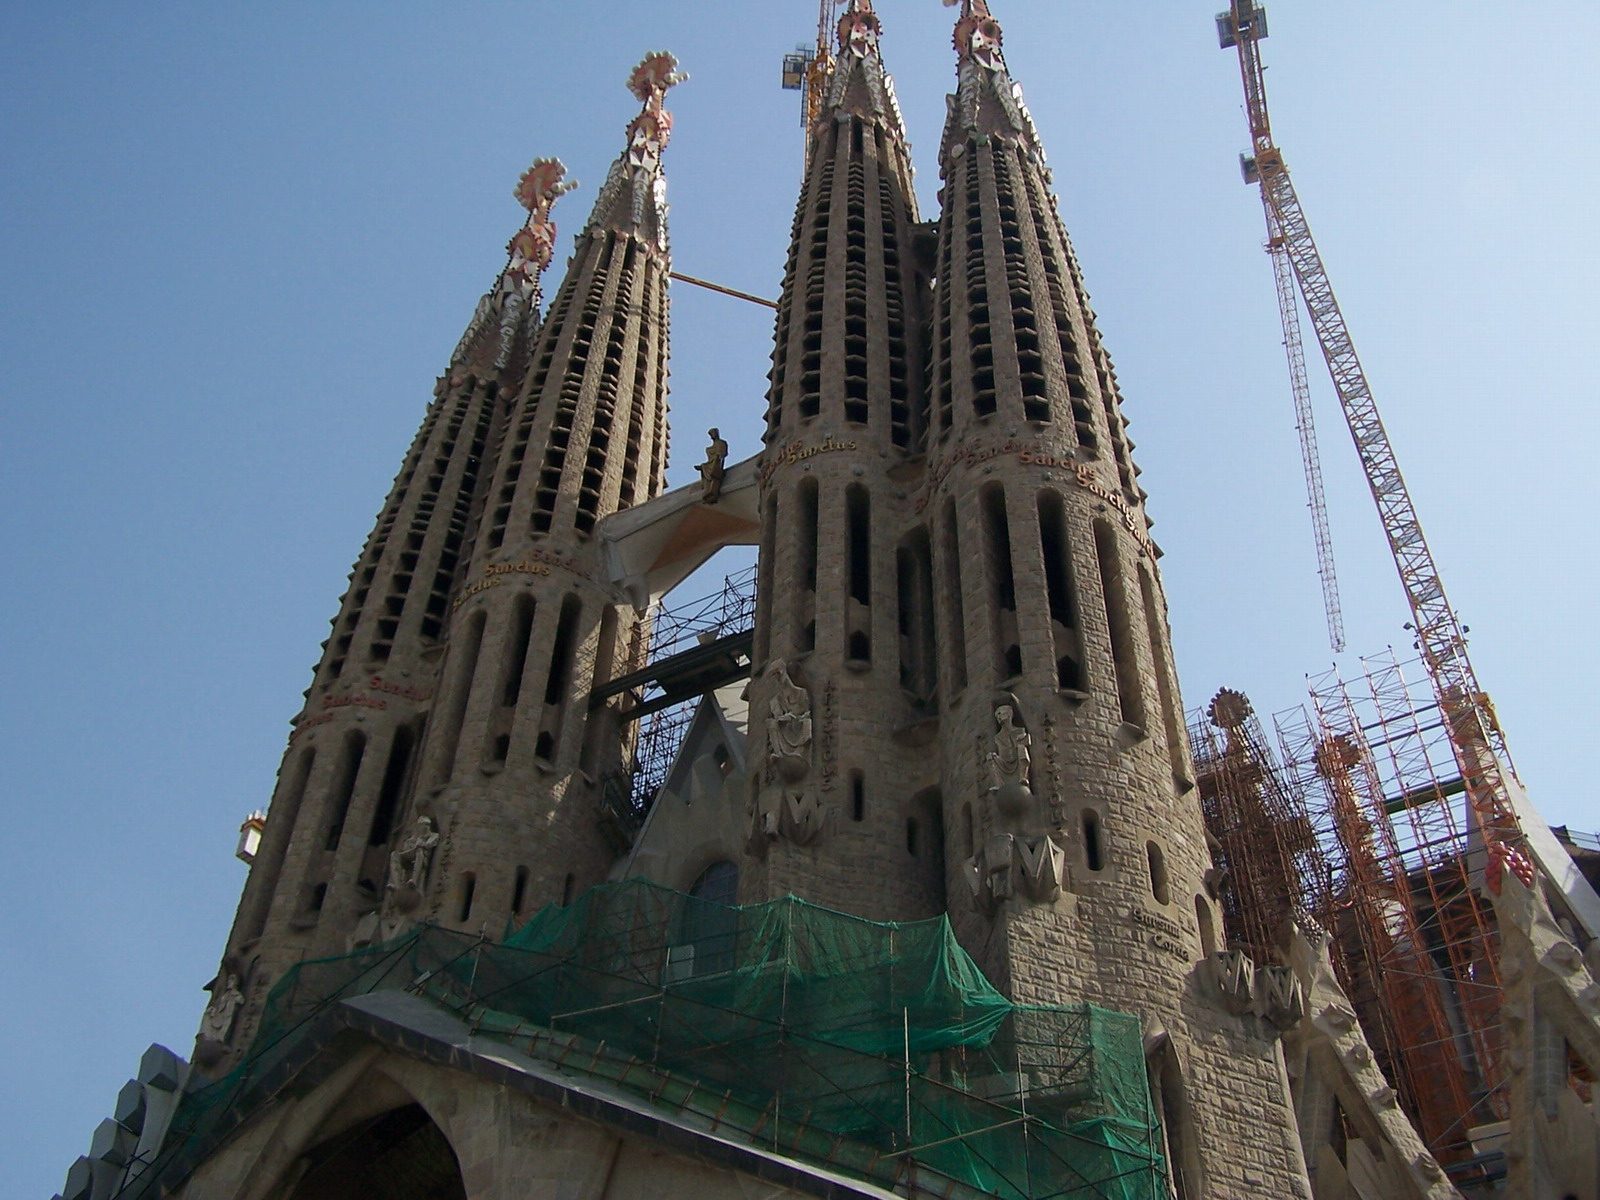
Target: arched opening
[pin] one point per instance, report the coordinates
(1158, 873)
(400, 1155)
(1093, 853)
(709, 929)
(1208, 926)
(1172, 1109)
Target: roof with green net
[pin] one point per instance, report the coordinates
(873, 1050)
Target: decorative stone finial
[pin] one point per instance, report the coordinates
(537, 191)
(978, 35)
(859, 30)
(513, 303)
(649, 132)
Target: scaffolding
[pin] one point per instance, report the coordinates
(1263, 843)
(694, 648)
(1417, 945)
(877, 1050)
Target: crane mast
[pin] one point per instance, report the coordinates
(1305, 425)
(1475, 736)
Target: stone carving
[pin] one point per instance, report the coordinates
(983, 73)
(1007, 764)
(1235, 978)
(789, 727)
(1009, 863)
(638, 171)
(217, 1023)
(1280, 998)
(1021, 855)
(409, 866)
(515, 295)
(712, 470)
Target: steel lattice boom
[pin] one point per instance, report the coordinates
(1475, 734)
(1305, 425)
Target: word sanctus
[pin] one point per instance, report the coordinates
(796, 451)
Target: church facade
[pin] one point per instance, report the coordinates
(954, 722)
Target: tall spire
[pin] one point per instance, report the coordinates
(512, 304)
(859, 84)
(987, 100)
(634, 196)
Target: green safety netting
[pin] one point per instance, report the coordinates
(877, 1049)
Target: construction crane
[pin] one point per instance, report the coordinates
(1514, 837)
(807, 69)
(1305, 424)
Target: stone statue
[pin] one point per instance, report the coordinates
(217, 1023)
(1010, 759)
(789, 726)
(408, 866)
(711, 471)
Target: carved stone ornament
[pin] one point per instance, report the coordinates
(410, 865)
(1007, 764)
(789, 727)
(713, 470)
(794, 814)
(1009, 864)
(1280, 998)
(217, 1023)
(1235, 977)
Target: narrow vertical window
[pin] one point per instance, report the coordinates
(567, 887)
(1055, 547)
(559, 681)
(516, 657)
(805, 617)
(1155, 627)
(918, 659)
(858, 608)
(463, 665)
(1208, 927)
(344, 787)
(1002, 583)
(955, 609)
(766, 563)
(1093, 852)
(519, 891)
(858, 796)
(1158, 873)
(911, 836)
(1129, 694)
(394, 778)
(469, 889)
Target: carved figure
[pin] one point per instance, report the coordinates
(1007, 764)
(789, 726)
(217, 1023)
(408, 866)
(712, 471)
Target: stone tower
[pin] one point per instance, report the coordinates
(509, 751)
(844, 690)
(428, 774)
(1077, 850)
(320, 871)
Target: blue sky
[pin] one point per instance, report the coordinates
(240, 241)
